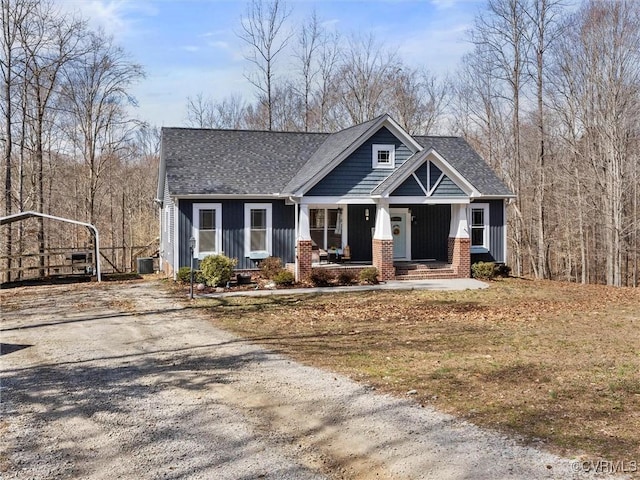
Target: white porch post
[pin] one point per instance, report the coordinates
(303, 245)
(459, 248)
(382, 244)
(459, 227)
(383, 222)
(304, 232)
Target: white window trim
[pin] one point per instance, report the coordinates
(196, 227)
(484, 248)
(392, 156)
(247, 225)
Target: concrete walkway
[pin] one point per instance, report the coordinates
(449, 284)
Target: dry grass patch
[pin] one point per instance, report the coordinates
(553, 362)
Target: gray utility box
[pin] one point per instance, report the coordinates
(145, 265)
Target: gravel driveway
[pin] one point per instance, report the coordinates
(118, 381)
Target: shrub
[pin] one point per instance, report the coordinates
(184, 275)
(270, 267)
(346, 277)
(483, 270)
(320, 277)
(502, 270)
(369, 275)
(284, 277)
(217, 269)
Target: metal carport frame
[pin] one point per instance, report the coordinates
(16, 217)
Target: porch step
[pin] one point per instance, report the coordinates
(424, 271)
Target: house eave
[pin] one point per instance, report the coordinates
(495, 197)
(223, 196)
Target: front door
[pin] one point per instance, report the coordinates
(399, 232)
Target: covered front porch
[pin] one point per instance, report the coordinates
(403, 241)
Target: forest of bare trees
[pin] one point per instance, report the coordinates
(549, 95)
(69, 147)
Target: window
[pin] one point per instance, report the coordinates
(317, 226)
(257, 227)
(384, 156)
(207, 229)
(325, 227)
(479, 227)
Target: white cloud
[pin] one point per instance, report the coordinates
(438, 50)
(219, 44)
(443, 4)
(115, 17)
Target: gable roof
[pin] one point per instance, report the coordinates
(466, 161)
(338, 146)
(393, 181)
(264, 163)
(240, 162)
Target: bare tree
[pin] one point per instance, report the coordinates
(262, 30)
(501, 32)
(12, 14)
(95, 94)
(310, 39)
(543, 16)
(230, 112)
(50, 40)
(418, 100)
(364, 77)
(200, 112)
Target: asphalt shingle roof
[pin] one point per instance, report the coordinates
(244, 162)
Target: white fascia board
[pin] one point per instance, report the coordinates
(494, 197)
(453, 174)
(385, 121)
(400, 132)
(429, 200)
(337, 201)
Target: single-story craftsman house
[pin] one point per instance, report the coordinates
(412, 206)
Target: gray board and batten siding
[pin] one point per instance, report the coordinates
(233, 221)
(429, 231)
(355, 176)
(496, 234)
(168, 233)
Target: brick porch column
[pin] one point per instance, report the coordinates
(303, 245)
(303, 250)
(382, 244)
(459, 251)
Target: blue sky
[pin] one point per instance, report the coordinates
(190, 46)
